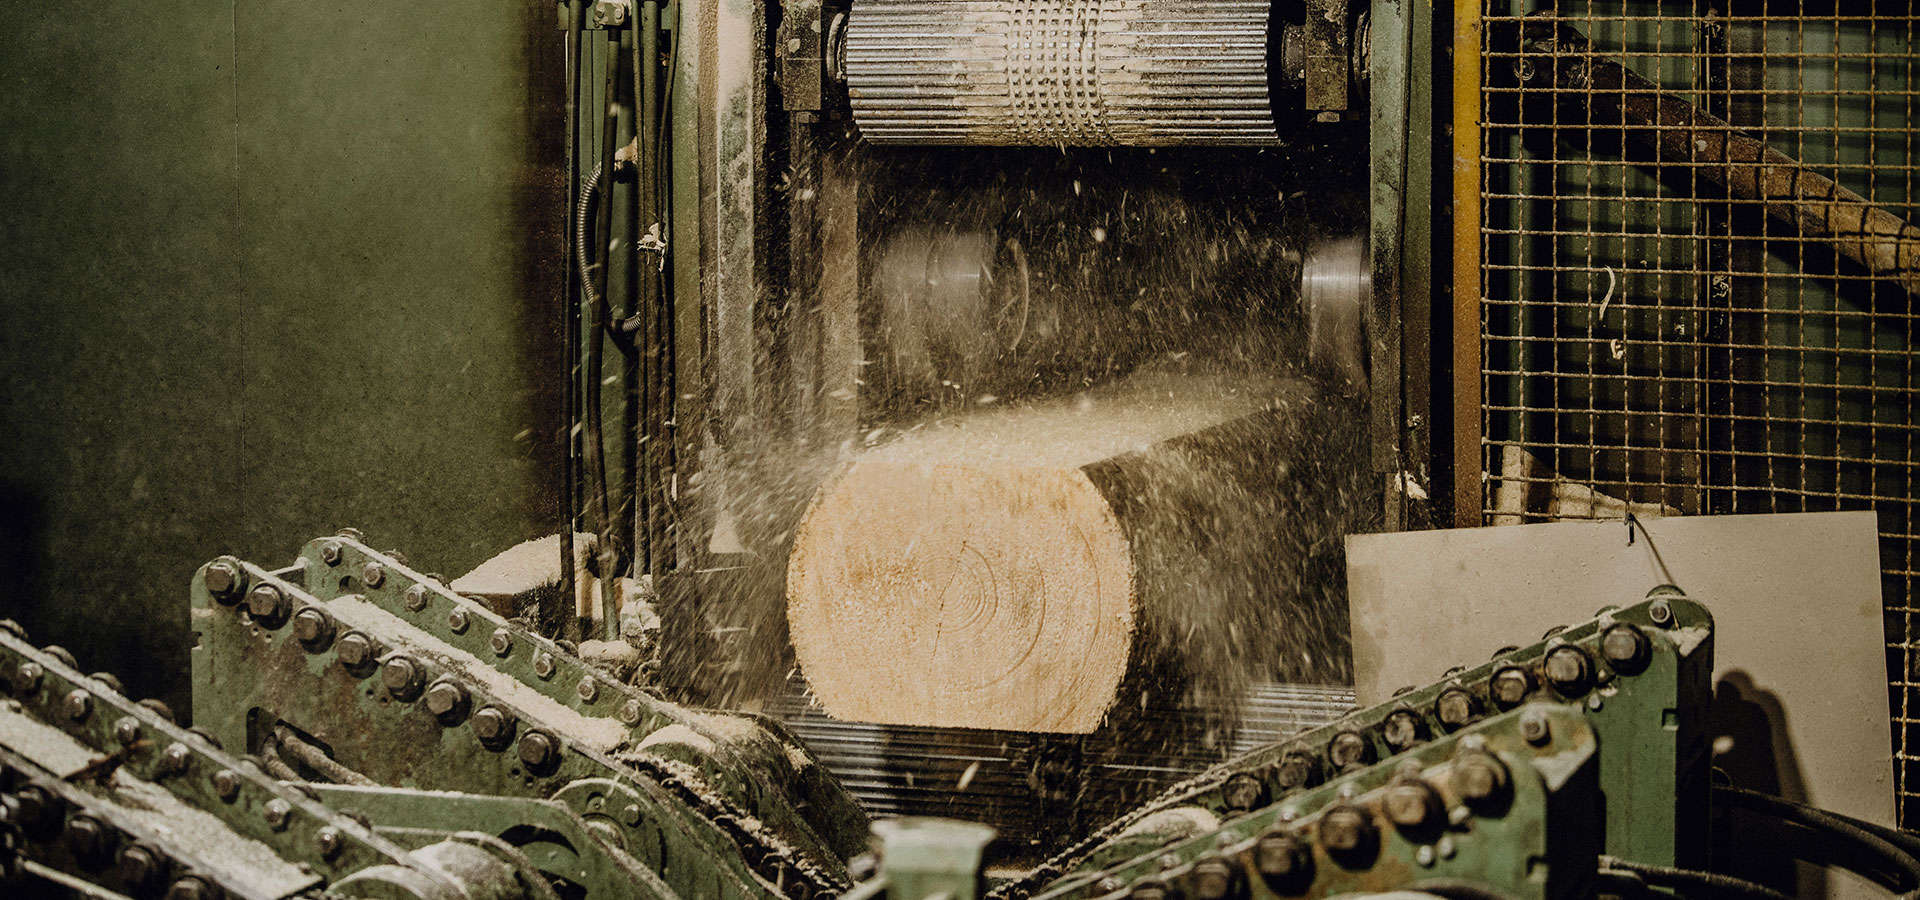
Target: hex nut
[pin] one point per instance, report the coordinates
(192, 887)
(373, 574)
(1510, 686)
(543, 664)
(1569, 670)
(77, 705)
(1243, 792)
(328, 841)
(493, 727)
(140, 867)
(175, 758)
(539, 752)
(401, 676)
(1410, 804)
(1626, 648)
(127, 730)
(226, 784)
(1295, 771)
(1479, 779)
(457, 621)
(416, 598)
(1661, 612)
(158, 708)
(62, 654)
(355, 652)
(1212, 879)
(26, 678)
(1534, 728)
(313, 628)
(223, 582)
(267, 605)
(501, 641)
(1455, 708)
(447, 700)
(588, 690)
(1346, 830)
(1349, 749)
(1279, 855)
(330, 553)
(88, 839)
(630, 713)
(1401, 729)
(277, 812)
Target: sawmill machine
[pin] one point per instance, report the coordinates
(803, 229)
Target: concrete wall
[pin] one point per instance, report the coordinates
(268, 269)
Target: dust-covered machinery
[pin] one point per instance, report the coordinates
(364, 731)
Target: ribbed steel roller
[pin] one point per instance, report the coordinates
(1142, 73)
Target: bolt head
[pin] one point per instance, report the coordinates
(416, 598)
(1533, 727)
(457, 621)
(1410, 804)
(1661, 612)
(1295, 771)
(277, 812)
(1479, 779)
(127, 730)
(26, 678)
(373, 574)
(313, 628)
(329, 842)
(538, 750)
(1401, 729)
(1243, 792)
(1345, 829)
(1626, 648)
(267, 605)
(77, 705)
(222, 580)
(226, 784)
(1454, 708)
(588, 689)
(401, 675)
(1277, 854)
(354, 649)
(543, 664)
(330, 553)
(88, 838)
(492, 725)
(159, 708)
(1347, 749)
(630, 713)
(1149, 890)
(630, 814)
(140, 867)
(446, 699)
(13, 628)
(1212, 879)
(1510, 686)
(501, 641)
(174, 759)
(1569, 670)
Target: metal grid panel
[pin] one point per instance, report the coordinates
(1666, 324)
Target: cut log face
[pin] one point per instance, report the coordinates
(988, 571)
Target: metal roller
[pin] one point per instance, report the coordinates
(1144, 73)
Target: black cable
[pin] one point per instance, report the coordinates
(1897, 854)
(1685, 879)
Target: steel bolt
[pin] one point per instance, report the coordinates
(402, 676)
(33, 809)
(447, 700)
(589, 690)
(13, 628)
(493, 726)
(226, 784)
(501, 641)
(159, 708)
(1626, 648)
(1212, 879)
(610, 13)
(330, 553)
(1278, 854)
(1149, 890)
(1533, 727)
(222, 580)
(174, 759)
(416, 598)
(110, 680)
(538, 750)
(62, 654)
(140, 868)
(267, 605)
(1243, 792)
(543, 664)
(88, 838)
(1454, 708)
(192, 888)
(1569, 670)
(1479, 778)
(373, 574)
(1661, 612)
(77, 706)
(1105, 885)
(277, 812)
(313, 628)
(1295, 771)
(1510, 686)
(1410, 804)
(457, 621)
(329, 842)
(630, 713)
(26, 679)
(630, 814)
(1345, 829)
(355, 650)
(127, 730)
(1401, 729)
(207, 736)
(1349, 749)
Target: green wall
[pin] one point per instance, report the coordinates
(268, 269)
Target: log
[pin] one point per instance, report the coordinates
(1011, 568)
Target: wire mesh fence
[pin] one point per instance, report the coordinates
(1697, 276)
